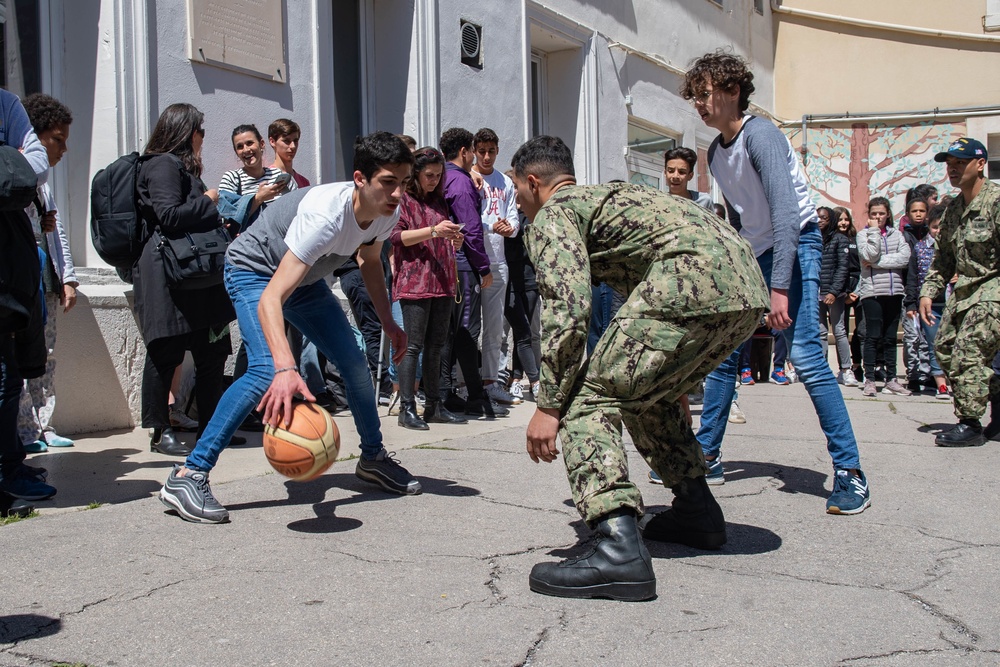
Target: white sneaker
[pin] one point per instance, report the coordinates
(846, 378)
(736, 415)
(791, 375)
(394, 405)
(181, 421)
(516, 390)
(536, 387)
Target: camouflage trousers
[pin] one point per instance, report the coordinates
(636, 374)
(965, 346)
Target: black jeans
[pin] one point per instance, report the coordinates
(163, 356)
(368, 323)
(426, 323)
(11, 383)
(520, 309)
(460, 345)
(881, 322)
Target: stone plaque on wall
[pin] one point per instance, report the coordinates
(244, 35)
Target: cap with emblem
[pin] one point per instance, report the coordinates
(964, 149)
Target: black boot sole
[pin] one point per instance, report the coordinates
(978, 441)
(630, 591)
(167, 452)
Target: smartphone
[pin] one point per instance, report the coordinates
(282, 179)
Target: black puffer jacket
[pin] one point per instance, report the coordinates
(833, 277)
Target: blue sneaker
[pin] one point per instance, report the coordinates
(24, 484)
(654, 478)
(779, 377)
(36, 447)
(850, 494)
(53, 440)
(716, 475)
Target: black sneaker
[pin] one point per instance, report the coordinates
(192, 497)
(454, 402)
(387, 473)
(484, 407)
(11, 507)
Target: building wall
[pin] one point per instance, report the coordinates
(823, 67)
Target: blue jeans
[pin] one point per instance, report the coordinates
(930, 333)
(314, 311)
(806, 353)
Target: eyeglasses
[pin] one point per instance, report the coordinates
(701, 96)
(427, 152)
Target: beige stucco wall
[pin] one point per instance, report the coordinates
(823, 67)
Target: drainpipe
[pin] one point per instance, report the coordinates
(890, 116)
(881, 25)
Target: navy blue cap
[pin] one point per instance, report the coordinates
(965, 149)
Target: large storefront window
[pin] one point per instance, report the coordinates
(21, 46)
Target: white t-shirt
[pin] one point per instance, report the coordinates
(498, 201)
(316, 224)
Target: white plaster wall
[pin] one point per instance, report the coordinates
(493, 96)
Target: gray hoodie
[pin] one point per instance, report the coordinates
(883, 261)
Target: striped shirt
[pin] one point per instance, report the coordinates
(242, 183)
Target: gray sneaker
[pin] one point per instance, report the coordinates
(893, 387)
(192, 498)
(870, 389)
(387, 473)
(498, 394)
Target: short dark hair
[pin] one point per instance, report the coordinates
(922, 191)
(453, 140)
(410, 142)
(723, 70)
(240, 129)
(45, 112)
(545, 157)
(485, 136)
(283, 127)
(936, 213)
(916, 200)
(681, 153)
(378, 149)
(720, 210)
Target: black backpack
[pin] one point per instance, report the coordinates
(116, 226)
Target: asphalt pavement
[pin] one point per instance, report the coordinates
(336, 572)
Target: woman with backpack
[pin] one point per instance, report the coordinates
(173, 200)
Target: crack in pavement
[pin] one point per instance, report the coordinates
(957, 624)
(898, 652)
(493, 583)
(494, 501)
(543, 637)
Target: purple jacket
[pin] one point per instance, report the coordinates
(464, 201)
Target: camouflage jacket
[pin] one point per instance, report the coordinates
(968, 245)
(615, 233)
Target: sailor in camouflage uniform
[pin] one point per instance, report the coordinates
(695, 292)
(969, 337)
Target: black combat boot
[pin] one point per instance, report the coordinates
(618, 567)
(408, 417)
(436, 413)
(968, 433)
(992, 430)
(166, 442)
(694, 518)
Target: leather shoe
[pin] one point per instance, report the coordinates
(968, 433)
(435, 413)
(165, 442)
(408, 417)
(11, 506)
(694, 518)
(618, 567)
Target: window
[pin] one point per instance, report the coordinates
(539, 103)
(20, 48)
(644, 154)
(993, 165)
(758, 6)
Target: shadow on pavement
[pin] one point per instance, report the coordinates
(16, 627)
(936, 429)
(742, 540)
(82, 477)
(793, 479)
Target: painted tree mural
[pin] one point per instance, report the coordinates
(847, 166)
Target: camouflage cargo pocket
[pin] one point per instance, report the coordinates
(635, 357)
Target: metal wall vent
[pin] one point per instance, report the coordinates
(472, 44)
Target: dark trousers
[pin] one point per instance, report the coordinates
(858, 337)
(426, 323)
(163, 356)
(367, 322)
(11, 383)
(461, 346)
(881, 322)
(520, 309)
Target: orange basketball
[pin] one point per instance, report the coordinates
(307, 447)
